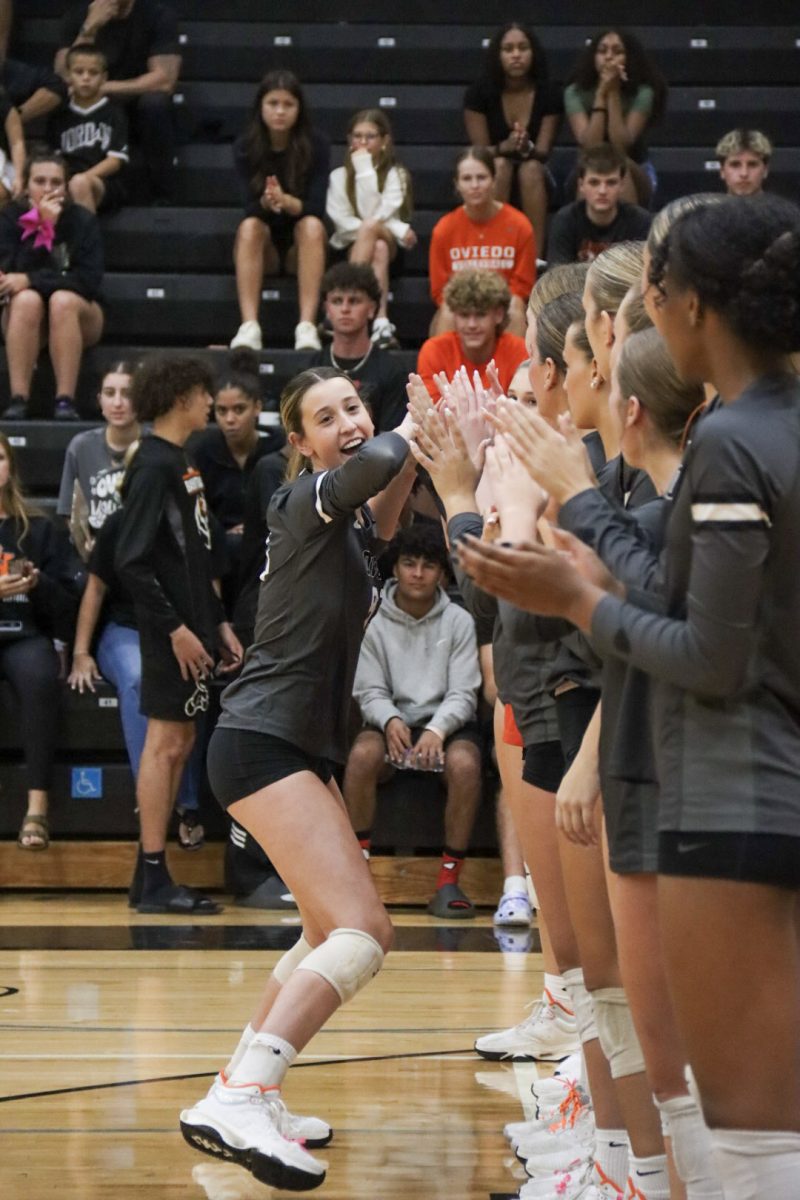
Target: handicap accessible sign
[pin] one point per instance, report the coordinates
(87, 783)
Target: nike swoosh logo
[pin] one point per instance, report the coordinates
(644, 1174)
(689, 847)
(617, 1145)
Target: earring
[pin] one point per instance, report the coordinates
(595, 383)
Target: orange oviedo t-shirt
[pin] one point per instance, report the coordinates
(444, 353)
(505, 244)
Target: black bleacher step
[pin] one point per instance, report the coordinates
(432, 113)
(238, 50)
(201, 309)
(440, 12)
(88, 723)
(40, 459)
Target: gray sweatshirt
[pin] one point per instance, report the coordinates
(424, 670)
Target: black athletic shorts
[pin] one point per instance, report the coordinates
(243, 761)
(166, 695)
(772, 858)
(543, 765)
(114, 196)
(574, 710)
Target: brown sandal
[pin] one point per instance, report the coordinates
(37, 832)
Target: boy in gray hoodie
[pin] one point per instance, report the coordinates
(416, 685)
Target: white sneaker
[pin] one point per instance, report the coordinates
(574, 1111)
(514, 909)
(311, 1131)
(571, 1160)
(547, 1035)
(574, 1130)
(574, 1184)
(306, 336)
(383, 334)
(243, 1124)
(248, 334)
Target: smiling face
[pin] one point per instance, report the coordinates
(279, 110)
(477, 332)
(335, 424)
(474, 183)
(115, 400)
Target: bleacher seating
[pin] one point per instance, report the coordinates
(169, 281)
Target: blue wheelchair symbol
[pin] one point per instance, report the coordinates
(87, 783)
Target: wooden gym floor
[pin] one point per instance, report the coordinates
(111, 1022)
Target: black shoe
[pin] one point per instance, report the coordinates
(17, 410)
(135, 890)
(65, 409)
(182, 901)
(271, 894)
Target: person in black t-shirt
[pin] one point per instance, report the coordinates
(164, 560)
(33, 90)
(582, 230)
(91, 132)
(139, 39)
(51, 268)
(283, 165)
(515, 110)
(351, 295)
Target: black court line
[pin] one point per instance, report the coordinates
(104, 1087)
(8, 991)
(464, 937)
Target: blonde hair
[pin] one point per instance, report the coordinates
(636, 315)
(646, 371)
(566, 277)
(477, 291)
(667, 216)
(292, 398)
(613, 272)
(739, 140)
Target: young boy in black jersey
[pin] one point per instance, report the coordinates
(91, 132)
(164, 560)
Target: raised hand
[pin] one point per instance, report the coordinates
(468, 401)
(556, 460)
(518, 499)
(439, 447)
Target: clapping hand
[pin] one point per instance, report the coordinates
(555, 459)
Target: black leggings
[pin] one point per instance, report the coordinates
(30, 665)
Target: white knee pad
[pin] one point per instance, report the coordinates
(692, 1149)
(616, 1032)
(582, 1004)
(291, 959)
(347, 960)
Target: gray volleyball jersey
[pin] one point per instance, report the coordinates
(319, 588)
(726, 654)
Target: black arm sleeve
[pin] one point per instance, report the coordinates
(142, 512)
(316, 188)
(618, 537)
(478, 603)
(85, 273)
(338, 493)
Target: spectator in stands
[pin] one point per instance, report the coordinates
(35, 607)
(520, 388)
(34, 91)
(91, 131)
(743, 156)
(163, 559)
(226, 453)
(94, 462)
(107, 623)
(416, 685)
(12, 150)
(479, 302)
(351, 297)
(582, 230)
(51, 260)
(482, 234)
(283, 165)
(370, 204)
(139, 39)
(514, 111)
(614, 94)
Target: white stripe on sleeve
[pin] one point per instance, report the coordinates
(318, 504)
(721, 512)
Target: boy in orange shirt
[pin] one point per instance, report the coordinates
(479, 301)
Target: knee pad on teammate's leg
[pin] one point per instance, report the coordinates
(347, 960)
(291, 959)
(756, 1163)
(582, 1004)
(616, 1032)
(682, 1121)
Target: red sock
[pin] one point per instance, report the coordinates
(450, 868)
(365, 842)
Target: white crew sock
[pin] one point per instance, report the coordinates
(244, 1044)
(515, 883)
(531, 889)
(649, 1176)
(757, 1164)
(554, 984)
(611, 1157)
(265, 1061)
(692, 1152)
